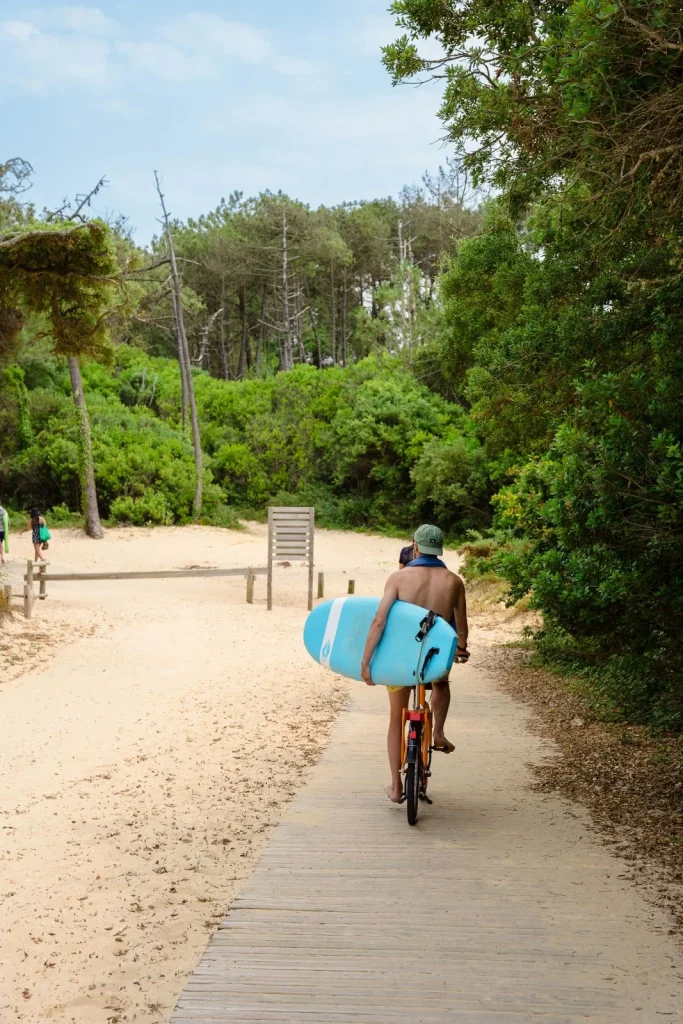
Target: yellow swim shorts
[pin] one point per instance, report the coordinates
(395, 689)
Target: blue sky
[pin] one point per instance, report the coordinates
(217, 95)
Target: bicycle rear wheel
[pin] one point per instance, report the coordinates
(414, 773)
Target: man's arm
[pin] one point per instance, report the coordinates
(460, 610)
(377, 627)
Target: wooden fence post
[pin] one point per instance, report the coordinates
(28, 591)
(269, 591)
(311, 556)
(42, 592)
(250, 586)
(321, 584)
(6, 599)
(352, 586)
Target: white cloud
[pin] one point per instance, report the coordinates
(89, 20)
(70, 46)
(209, 34)
(165, 61)
(21, 30)
(399, 126)
(35, 60)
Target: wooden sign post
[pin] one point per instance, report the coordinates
(290, 537)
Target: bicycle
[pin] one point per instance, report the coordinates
(416, 747)
(416, 752)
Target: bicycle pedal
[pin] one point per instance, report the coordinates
(428, 775)
(425, 798)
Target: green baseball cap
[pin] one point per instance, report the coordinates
(429, 539)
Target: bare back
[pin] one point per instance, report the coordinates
(440, 590)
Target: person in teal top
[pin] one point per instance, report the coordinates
(4, 534)
(40, 534)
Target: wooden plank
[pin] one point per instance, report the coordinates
(250, 586)
(290, 519)
(162, 574)
(321, 585)
(302, 509)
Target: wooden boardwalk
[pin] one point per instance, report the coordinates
(499, 908)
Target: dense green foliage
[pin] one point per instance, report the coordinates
(563, 319)
(349, 441)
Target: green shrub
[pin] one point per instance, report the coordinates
(151, 509)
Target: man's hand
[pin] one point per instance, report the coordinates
(365, 672)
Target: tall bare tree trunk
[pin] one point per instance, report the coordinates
(333, 320)
(221, 336)
(316, 335)
(344, 319)
(243, 333)
(287, 354)
(181, 363)
(93, 526)
(262, 329)
(185, 359)
(300, 323)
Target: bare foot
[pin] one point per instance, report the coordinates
(441, 743)
(394, 794)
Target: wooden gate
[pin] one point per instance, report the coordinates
(290, 537)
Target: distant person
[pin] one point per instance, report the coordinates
(35, 524)
(4, 534)
(407, 555)
(427, 582)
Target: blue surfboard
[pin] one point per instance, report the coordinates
(335, 634)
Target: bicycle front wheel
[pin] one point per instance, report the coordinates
(414, 774)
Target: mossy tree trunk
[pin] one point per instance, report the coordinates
(93, 526)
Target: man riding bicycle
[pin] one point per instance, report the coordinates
(427, 582)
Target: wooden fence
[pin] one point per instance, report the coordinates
(38, 572)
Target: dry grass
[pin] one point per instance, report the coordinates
(631, 781)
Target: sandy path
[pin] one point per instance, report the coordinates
(145, 762)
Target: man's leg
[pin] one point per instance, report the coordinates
(441, 700)
(398, 701)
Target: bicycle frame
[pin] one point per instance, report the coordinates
(420, 712)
